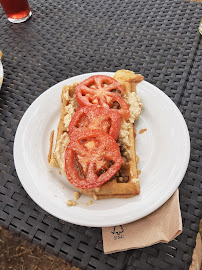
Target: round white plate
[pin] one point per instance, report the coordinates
(1, 74)
(164, 151)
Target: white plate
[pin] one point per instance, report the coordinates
(1, 74)
(163, 149)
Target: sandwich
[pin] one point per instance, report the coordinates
(95, 145)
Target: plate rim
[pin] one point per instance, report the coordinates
(1, 74)
(150, 210)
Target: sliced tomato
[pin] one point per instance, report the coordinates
(91, 159)
(119, 105)
(104, 91)
(94, 117)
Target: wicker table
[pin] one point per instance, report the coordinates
(156, 38)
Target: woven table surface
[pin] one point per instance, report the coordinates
(156, 38)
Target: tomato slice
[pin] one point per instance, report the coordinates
(104, 91)
(91, 159)
(93, 117)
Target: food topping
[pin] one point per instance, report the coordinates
(93, 117)
(124, 152)
(124, 134)
(134, 106)
(103, 91)
(91, 159)
(121, 176)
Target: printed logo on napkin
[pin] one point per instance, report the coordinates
(118, 232)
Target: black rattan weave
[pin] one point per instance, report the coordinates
(156, 38)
